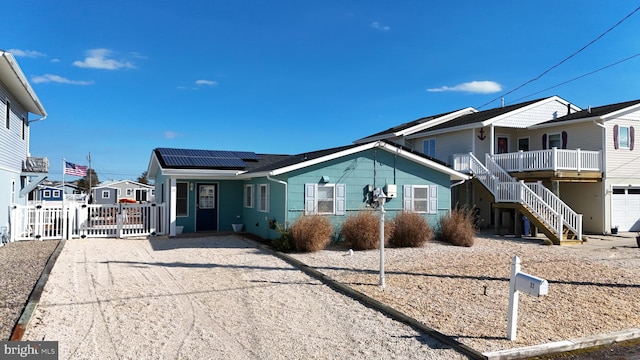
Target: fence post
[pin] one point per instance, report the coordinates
(579, 155)
(554, 158)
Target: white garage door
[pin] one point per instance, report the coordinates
(625, 209)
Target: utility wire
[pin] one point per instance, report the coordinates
(565, 59)
(576, 78)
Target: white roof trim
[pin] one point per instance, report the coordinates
(420, 127)
(18, 86)
(454, 175)
(618, 113)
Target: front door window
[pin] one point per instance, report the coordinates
(207, 197)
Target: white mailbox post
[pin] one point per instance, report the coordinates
(528, 284)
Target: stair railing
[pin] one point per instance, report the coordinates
(572, 219)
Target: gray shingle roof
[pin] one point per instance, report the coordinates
(595, 111)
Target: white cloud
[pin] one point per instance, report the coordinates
(99, 59)
(376, 25)
(206, 82)
(26, 53)
(170, 134)
(477, 87)
(55, 60)
(47, 78)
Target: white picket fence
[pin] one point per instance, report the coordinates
(67, 221)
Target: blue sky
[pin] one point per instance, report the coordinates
(120, 78)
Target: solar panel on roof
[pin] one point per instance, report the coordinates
(204, 158)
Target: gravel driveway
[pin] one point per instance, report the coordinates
(207, 298)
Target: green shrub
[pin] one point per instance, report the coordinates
(311, 233)
(283, 242)
(362, 230)
(410, 230)
(458, 228)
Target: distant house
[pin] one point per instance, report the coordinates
(209, 190)
(577, 167)
(50, 193)
(19, 172)
(110, 192)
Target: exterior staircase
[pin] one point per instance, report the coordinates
(542, 207)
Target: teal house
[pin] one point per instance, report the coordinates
(212, 190)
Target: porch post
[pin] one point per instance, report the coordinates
(579, 159)
(171, 207)
(555, 187)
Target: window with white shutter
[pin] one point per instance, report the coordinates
(325, 199)
(420, 198)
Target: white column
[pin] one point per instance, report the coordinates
(171, 208)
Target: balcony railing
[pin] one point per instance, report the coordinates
(553, 159)
(36, 165)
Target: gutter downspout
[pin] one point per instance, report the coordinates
(286, 198)
(34, 120)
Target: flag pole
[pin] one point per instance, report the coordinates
(89, 174)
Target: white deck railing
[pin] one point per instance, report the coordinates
(540, 200)
(470, 164)
(553, 159)
(572, 219)
(518, 192)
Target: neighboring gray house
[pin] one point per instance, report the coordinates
(125, 190)
(19, 172)
(104, 195)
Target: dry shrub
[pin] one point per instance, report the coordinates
(311, 233)
(362, 230)
(410, 230)
(458, 228)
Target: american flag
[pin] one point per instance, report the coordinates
(75, 170)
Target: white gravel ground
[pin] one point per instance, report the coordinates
(207, 298)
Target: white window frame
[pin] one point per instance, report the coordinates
(263, 202)
(331, 201)
(55, 193)
(429, 147)
(248, 196)
(46, 193)
(311, 199)
(528, 142)
(627, 143)
(106, 194)
(559, 146)
(129, 191)
(409, 198)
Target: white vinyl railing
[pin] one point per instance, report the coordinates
(540, 200)
(470, 164)
(518, 192)
(43, 222)
(497, 170)
(572, 219)
(552, 159)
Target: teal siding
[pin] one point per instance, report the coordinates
(359, 170)
(258, 222)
